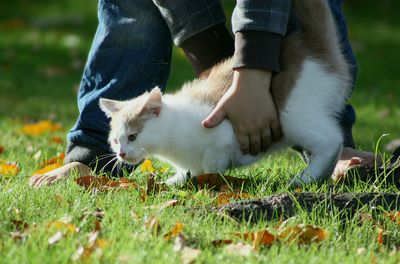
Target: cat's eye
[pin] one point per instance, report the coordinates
(132, 137)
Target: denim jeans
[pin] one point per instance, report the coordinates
(130, 54)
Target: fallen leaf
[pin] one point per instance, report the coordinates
(41, 127)
(55, 238)
(47, 168)
(175, 231)
(153, 186)
(225, 198)
(216, 180)
(258, 238)
(380, 236)
(105, 183)
(8, 170)
(56, 159)
(222, 242)
(1, 149)
(240, 249)
(189, 255)
(393, 216)
(303, 234)
(62, 226)
(153, 225)
(57, 140)
(20, 225)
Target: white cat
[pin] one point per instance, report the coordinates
(309, 94)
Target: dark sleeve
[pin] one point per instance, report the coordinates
(259, 27)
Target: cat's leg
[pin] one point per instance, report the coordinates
(179, 178)
(324, 143)
(215, 160)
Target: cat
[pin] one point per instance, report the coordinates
(309, 93)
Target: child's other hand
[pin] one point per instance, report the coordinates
(249, 105)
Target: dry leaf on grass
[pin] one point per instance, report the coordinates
(164, 205)
(303, 234)
(258, 238)
(105, 183)
(216, 181)
(225, 198)
(153, 186)
(56, 140)
(1, 149)
(47, 168)
(393, 216)
(9, 169)
(380, 236)
(41, 127)
(175, 231)
(56, 159)
(62, 226)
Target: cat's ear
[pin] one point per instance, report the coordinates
(153, 103)
(110, 106)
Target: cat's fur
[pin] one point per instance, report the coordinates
(309, 93)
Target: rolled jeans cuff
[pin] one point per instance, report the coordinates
(98, 159)
(186, 18)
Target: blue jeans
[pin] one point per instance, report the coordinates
(130, 54)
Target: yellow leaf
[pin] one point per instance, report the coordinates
(48, 168)
(147, 166)
(62, 226)
(41, 127)
(8, 170)
(176, 230)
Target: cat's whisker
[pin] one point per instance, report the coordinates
(112, 160)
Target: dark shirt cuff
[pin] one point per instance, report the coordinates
(258, 50)
(208, 47)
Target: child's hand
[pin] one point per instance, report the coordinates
(249, 105)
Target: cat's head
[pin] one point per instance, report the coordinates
(128, 119)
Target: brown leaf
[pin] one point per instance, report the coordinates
(1, 149)
(258, 238)
(56, 159)
(189, 255)
(225, 198)
(97, 225)
(20, 225)
(380, 236)
(222, 242)
(303, 234)
(55, 238)
(153, 225)
(393, 216)
(175, 231)
(56, 140)
(153, 186)
(104, 183)
(215, 180)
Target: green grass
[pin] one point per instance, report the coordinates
(39, 70)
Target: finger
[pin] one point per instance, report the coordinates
(215, 118)
(265, 139)
(243, 140)
(255, 144)
(276, 130)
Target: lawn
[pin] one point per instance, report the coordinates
(43, 47)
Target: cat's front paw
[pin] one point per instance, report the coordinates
(178, 179)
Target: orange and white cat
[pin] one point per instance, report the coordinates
(309, 93)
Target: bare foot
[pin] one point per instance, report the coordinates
(351, 158)
(63, 172)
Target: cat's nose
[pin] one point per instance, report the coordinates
(122, 154)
